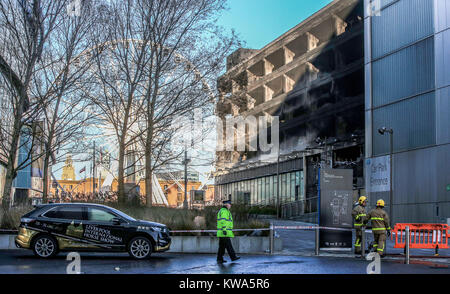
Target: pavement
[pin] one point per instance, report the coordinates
(20, 261)
(297, 257)
(302, 242)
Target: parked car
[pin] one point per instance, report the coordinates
(51, 228)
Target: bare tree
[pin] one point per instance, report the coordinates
(25, 30)
(187, 51)
(67, 114)
(118, 77)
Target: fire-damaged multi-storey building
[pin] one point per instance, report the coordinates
(312, 79)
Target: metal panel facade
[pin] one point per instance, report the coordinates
(413, 121)
(401, 24)
(443, 116)
(407, 60)
(441, 15)
(442, 58)
(405, 73)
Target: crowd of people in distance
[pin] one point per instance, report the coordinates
(84, 197)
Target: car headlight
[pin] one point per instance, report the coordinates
(157, 229)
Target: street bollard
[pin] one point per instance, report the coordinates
(363, 242)
(271, 237)
(317, 241)
(407, 244)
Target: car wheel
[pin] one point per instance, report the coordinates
(140, 247)
(45, 246)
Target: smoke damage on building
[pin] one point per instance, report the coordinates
(312, 78)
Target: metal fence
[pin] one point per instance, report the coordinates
(299, 208)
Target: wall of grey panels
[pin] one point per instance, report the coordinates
(443, 116)
(420, 185)
(400, 24)
(441, 15)
(413, 121)
(405, 73)
(442, 45)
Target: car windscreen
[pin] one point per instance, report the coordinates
(124, 215)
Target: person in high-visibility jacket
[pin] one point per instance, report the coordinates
(225, 232)
(359, 216)
(380, 226)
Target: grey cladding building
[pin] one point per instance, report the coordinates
(407, 69)
(334, 80)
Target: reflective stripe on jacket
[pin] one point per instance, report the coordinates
(379, 219)
(359, 215)
(224, 223)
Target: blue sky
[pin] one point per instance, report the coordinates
(258, 22)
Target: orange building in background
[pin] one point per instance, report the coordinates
(173, 192)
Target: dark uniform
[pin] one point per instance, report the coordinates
(359, 215)
(224, 233)
(380, 224)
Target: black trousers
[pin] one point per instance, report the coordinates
(225, 243)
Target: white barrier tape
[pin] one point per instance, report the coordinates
(267, 229)
(315, 227)
(215, 231)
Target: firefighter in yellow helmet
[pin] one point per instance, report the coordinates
(380, 226)
(359, 216)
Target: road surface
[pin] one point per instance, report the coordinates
(20, 261)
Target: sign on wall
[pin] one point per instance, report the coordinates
(377, 173)
(336, 197)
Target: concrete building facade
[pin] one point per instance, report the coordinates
(312, 78)
(407, 69)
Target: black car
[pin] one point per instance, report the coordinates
(51, 228)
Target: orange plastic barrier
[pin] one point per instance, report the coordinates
(422, 236)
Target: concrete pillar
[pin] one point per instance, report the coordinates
(268, 67)
(250, 102)
(312, 72)
(269, 118)
(339, 25)
(312, 41)
(234, 109)
(268, 93)
(235, 86)
(251, 77)
(288, 55)
(288, 84)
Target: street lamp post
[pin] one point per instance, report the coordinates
(382, 131)
(186, 161)
(278, 182)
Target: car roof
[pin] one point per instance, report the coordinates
(70, 204)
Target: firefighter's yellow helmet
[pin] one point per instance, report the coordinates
(362, 199)
(380, 203)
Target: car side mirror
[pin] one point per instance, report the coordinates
(116, 221)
